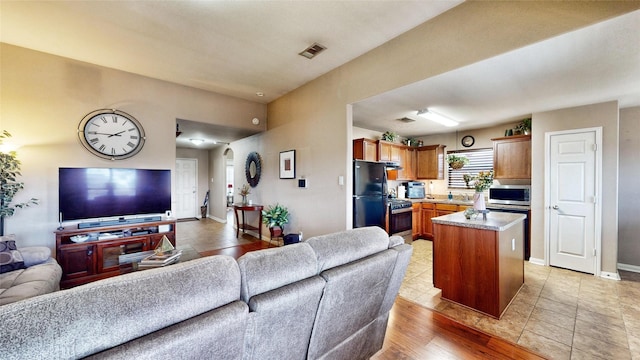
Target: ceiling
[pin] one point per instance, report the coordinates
(594, 64)
(241, 48)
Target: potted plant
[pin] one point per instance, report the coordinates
(389, 136)
(457, 161)
(275, 216)
(524, 127)
(482, 182)
(9, 187)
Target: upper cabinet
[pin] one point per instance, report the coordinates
(430, 162)
(512, 157)
(425, 162)
(365, 149)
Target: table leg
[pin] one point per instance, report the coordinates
(237, 223)
(260, 226)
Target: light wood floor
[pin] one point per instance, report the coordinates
(414, 332)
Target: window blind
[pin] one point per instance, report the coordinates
(479, 160)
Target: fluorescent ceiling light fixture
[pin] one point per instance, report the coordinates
(435, 117)
(196, 141)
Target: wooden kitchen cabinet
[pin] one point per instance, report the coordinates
(408, 164)
(430, 162)
(428, 211)
(512, 157)
(416, 220)
(365, 149)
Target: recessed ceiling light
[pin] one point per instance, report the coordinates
(255, 121)
(196, 141)
(259, 93)
(312, 50)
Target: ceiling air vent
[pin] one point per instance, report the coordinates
(406, 120)
(312, 50)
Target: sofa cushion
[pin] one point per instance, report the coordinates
(351, 301)
(33, 281)
(34, 255)
(217, 334)
(346, 246)
(270, 269)
(97, 316)
(10, 257)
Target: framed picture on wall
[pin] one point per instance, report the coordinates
(288, 164)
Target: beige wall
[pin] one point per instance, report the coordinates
(44, 97)
(603, 115)
(629, 191)
(316, 116)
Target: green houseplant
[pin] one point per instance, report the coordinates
(275, 216)
(9, 187)
(389, 136)
(457, 161)
(524, 127)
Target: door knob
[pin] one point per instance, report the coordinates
(555, 207)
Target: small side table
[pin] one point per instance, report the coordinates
(245, 226)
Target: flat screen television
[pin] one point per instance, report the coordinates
(89, 193)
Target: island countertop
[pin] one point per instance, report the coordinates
(496, 221)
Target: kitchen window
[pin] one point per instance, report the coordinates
(479, 160)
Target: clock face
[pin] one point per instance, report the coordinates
(468, 141)
(111, 134)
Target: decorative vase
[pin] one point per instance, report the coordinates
(244, 199)
(478, 201)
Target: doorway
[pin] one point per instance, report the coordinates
(228, 161)
(573, 168)
(186, 188)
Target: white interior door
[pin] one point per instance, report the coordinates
(186, 188)
(572, 196)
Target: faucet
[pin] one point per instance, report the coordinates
(465, 197)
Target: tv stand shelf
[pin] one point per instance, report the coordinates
(97, 258)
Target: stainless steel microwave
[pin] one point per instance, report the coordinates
(510, 194)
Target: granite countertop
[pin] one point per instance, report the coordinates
(496, 221)
(469, 203)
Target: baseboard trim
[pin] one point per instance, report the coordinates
(627, 267)
(224, 221)
(610, 275)
(536, 261)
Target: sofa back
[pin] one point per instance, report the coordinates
(349, 309)
(87, 319)
(283, 290)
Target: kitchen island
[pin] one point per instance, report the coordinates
(479, 263)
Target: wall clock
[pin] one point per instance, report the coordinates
(111, 134)
(468, 141)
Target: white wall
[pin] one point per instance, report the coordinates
(629, 191)
(606, 116)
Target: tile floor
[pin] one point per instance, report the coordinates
(560, 314)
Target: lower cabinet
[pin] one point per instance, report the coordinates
(94, 260)
(428, 212)
(416, 220)
(431, 210)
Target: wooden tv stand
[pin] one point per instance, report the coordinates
(97, 259)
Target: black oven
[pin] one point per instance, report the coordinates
(401, 219)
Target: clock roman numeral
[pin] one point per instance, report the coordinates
(104, 119)
(130, 144)
(113, 151)
(133, 137)
(125, 122)
(114, 118)
(102, 147)
(92, 132)
(94, 140)
(132, 129)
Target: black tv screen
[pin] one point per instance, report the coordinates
(87, 193)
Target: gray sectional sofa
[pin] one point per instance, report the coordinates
(326, 298)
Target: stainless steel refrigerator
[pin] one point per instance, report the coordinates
(369, 193)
